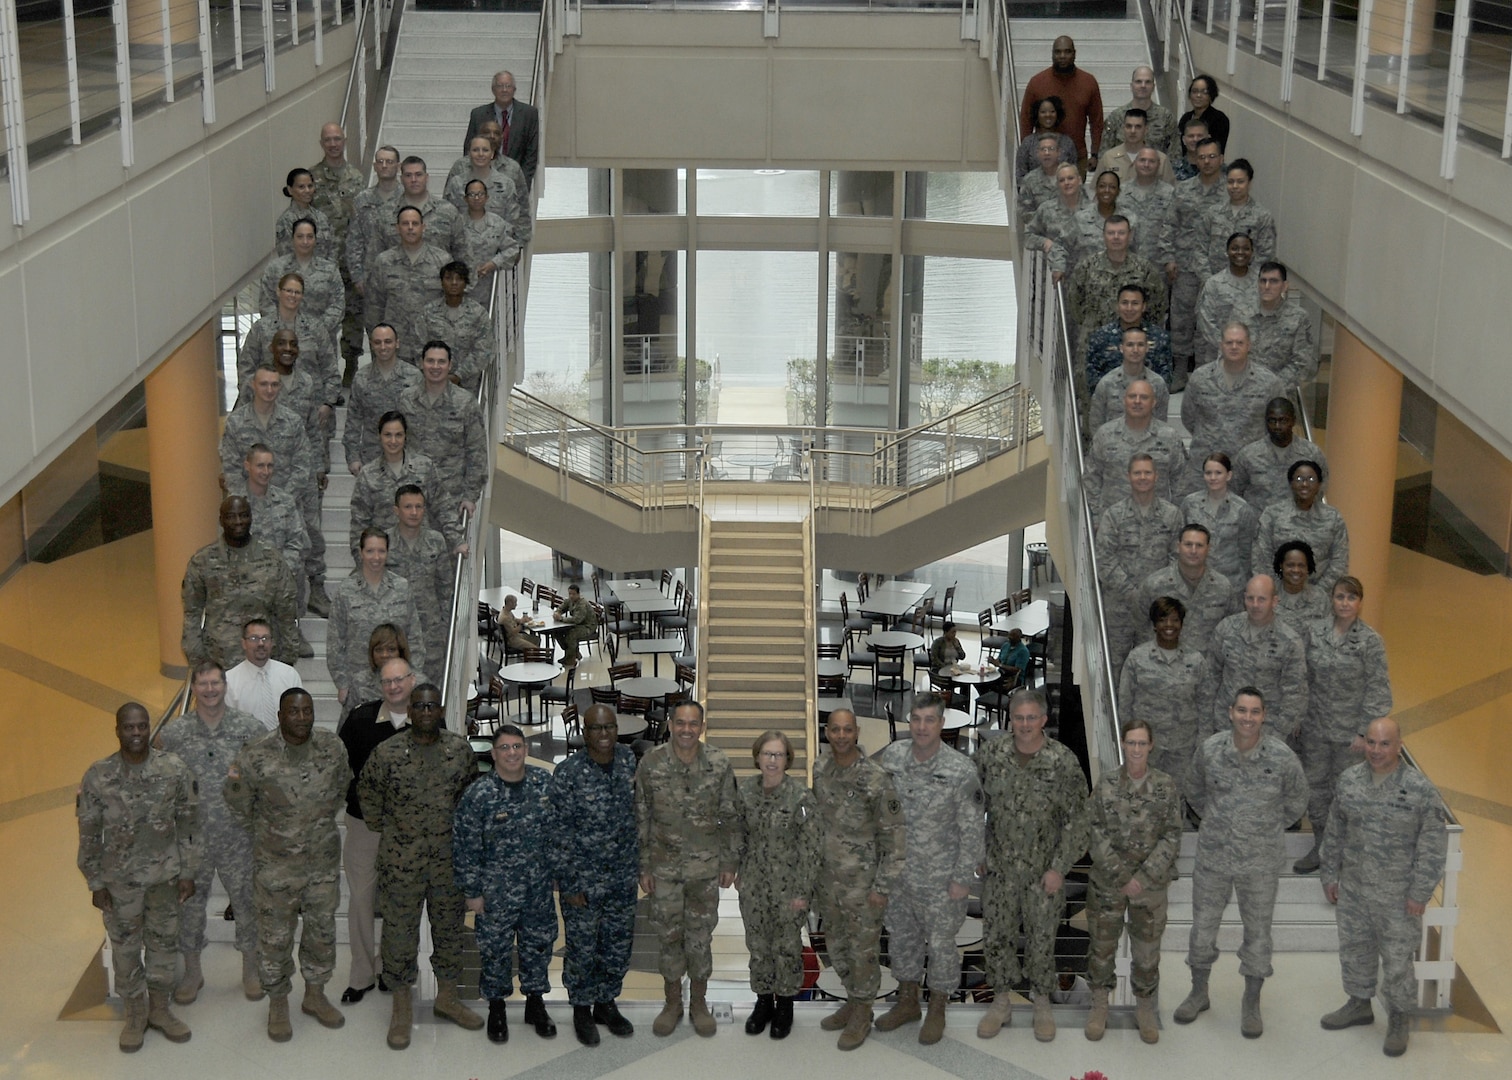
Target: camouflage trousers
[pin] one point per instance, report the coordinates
(1322, 762)
(1014, 902)
(853, 941)
(233, 861)
(1105, 922)
(281, 899)
(774, 938)
(143, 919)
(684, 914)
(599, 937)
(570, 638)
(1173, 758)
(1184, 318)
(1375, 932)
(925, 925)
(1256, 893)
(309, 501)
(526, 925)
(401, 894)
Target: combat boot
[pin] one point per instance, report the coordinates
(1352, 1012)
(192, 982)
(1196, 1001)
(498, 1021)
(698, 1008)
(857, 1027)
(401, 1019)
(583, 1026)
(135, 1028)
(160, 1016)
(838, 1019)
(279, 1028)
(905, 1009)
(251, 981)
(316, 1004)
(933, 1028)
(782, 1018)
(1309, 862)
(1250, 1024)
(319, 604)
(1396, 1035)
(1044, 1019)
(667, 1020)
(1147, 1018)
(608, 1014)
(760, 1016)
(1097, 1018)
(449, 1007)
(998, 1015)
(537, 1017)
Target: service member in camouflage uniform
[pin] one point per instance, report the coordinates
(504, 846)
(324, 295)
(1135, 537)
(1248, 788)
(1255, 648)
(139, 851)
(299, 394)
(1224, 296)
(381, 478)
(1053, 226)
(1224, 407)
(404, 280)
(1037, 186)
(1239, 214)
(286, 788)
(1036, 830)
(440, 216)
(507, 197)
(422, 557)
(1231, 520)
(942, 810)
(408, 791)
(593, 803)
(779, 869)
(1160, 123)
(484, 243)
(688, 820)
(208, 740)
(1195, 196)
(1135, 430)
(337, 185)
(1105, 344)
(1153, 198)
(234, 579)
(1305, 517)
(375, 391)
(299, 188)
(1092, 288)
(1108, 393)
(1207, 595)
(373, 595)
(462, 323)
(372, 205)
(446, 425)
(1161, 684)
(320, 355)
(1135, 835)
(278, 522)
(861, 859)
(1383, 857)
(582, 626)
(1260, 467)
(1280, 329)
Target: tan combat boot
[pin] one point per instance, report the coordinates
(667, 1020)
(698, 1008)
(251, 981)
(1097, 1018)
(316, 1004)
(839, 1018)
(1147, 1019)
(135, 1028)
(192, 982)
(401, 1019)
(279, 1028)
(160, 1016)
(998, 1016)
(905, 1010)
(933, 1029)
(449, 1007)
(857, 1027)
(1044, 1019)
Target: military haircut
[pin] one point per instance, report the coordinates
(504, 729)
(1035, 697)
(291, 692)
(130, 708)
(206, 666)
(1249, 691)
(407, 489)
(250, 623)
(689, 704)
(928, 701)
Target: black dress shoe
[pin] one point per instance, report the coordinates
(782, 1018)
(608, 1014)
(498, 1022)
(535, 1014)
(352, 995)
(383, 985)
(583, 1025)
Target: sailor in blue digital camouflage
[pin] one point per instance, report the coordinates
(1105, 343)
(597, 867)
(861, 859)
(232, 580)
(286, 788)
(1036, 830)
(408, 792)
(208, 738)
(942, 811)
(779, 867)
(1383, 856)
(504, 848)
(1161, 684)
(688, 819)
(139, 852)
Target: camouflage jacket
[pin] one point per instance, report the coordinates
(781, 834)
(504, 837)
(138, 824)
(1386, 839)
(597, 848)
(1136, 830)
(288, 796)
(687, 816)
(861, 824)
(1036, 812)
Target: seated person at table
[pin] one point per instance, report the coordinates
(1013, 659)
(515, 636)
(584, 625)
(947, 649)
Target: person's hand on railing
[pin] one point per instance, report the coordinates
(461, 548)
(467, 506)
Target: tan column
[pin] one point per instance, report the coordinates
(183, 439)
(1364, 419)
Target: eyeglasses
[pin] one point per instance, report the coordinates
(396, 682)
(773, 755)
(424, 706)
(258, 639)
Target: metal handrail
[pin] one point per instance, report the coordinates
(359, 57)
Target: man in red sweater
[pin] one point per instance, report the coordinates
(1079, 93)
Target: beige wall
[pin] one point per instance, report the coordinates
(1474, 477)
(117, 265)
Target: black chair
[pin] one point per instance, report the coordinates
(992, 643)
(889, 665)
(855, 627)
(559, 695)
(572, 726)
(605, 695)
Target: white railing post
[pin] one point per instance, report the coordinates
(378, 9)
(167, 53)
(71, 49)
(1289, 49)
(1233, 36)
(1406, 59)
(11, 96)
(770, 15)
(207, 65)
(268, 45)
(320, 31)
(1323, 38)
(236, 33)
(1259, 24)
(1458, 44)
(1362, 59)
(123, 81)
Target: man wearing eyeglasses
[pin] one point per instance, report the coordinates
(255, 685)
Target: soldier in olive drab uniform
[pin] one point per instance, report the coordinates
(234, 579)
(942, 809)
(207, 740)
(139, 851)
(779, 866)
(597, 864)
(446, 425)
(408, 791)
(1036, 830)
(861, 823)
(1135, 835)
(1383, 856)
(688, 819)
(1248, 788)
(582, 626)
(503, 849)
(286, 788)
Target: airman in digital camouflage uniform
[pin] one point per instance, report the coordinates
(1256, 648)
(286, 789)
(404, 280)
(234, 579)
(1036, 830)
(422, 557)
(1135, 536)
(942, 810)
(861, 825)
(593, 800)
(689, 825)
(446, 425)
(276, 518)
(1383, 856)
(369, 207)
(1224, 407)
(1161, 683)
(337, 185)
(408, 791)
(375, 391)
(1207, 595)
(139, 850)
(208, 740)
(504, 848)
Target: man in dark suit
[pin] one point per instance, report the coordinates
(521, 124)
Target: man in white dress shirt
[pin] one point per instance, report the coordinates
(254, 685)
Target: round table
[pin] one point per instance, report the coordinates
(631, 727)
(956, 720)
(975, 677)
(530, 675)
(827, 668)
(648, 687)
(891, 639)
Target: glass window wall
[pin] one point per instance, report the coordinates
(758, 192)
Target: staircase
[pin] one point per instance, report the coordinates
(1109, 48)
(757, 636)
